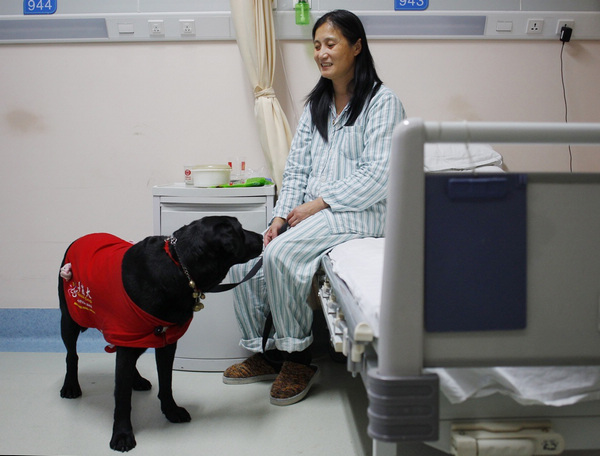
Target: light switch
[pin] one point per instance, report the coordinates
(504, 26)
(125, 28)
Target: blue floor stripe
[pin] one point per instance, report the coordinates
(38, 330)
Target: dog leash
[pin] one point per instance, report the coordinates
(228, 286)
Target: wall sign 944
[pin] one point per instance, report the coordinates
(411, 5)
(40, 6)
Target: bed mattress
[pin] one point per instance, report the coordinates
(554, 386)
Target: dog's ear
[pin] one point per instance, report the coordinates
(230, 238)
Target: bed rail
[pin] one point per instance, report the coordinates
(405, 226)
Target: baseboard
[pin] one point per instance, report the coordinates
(38, 330)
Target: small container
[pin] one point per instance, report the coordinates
(238, 169)
(187, 175)
(211, 175)
(302, 9)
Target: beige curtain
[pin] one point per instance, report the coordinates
(255, 33)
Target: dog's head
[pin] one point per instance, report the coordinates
(211, 245)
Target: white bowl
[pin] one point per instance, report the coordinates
(211, 175)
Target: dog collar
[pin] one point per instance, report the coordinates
(197, 294)
(168, 250)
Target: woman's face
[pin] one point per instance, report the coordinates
(334, 55)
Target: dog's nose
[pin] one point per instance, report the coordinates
(254, 242)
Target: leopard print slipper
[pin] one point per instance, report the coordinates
(253, 369)
(292, 383)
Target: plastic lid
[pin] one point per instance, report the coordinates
(211, 167)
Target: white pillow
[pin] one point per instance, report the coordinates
(459, 156)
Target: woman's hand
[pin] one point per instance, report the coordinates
(273, 230)
(305, 210)
(295, 216)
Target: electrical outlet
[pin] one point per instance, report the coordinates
(187, 27)
(535, 26)
(565, 23)
(156, 28)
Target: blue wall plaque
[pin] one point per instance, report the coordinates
(411, 5)
(39, 6)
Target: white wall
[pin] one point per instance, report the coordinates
(486, 81)
(86, 130)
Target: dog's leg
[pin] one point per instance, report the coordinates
(69, 331)
(122, 437)
(164, 365)
(140, 383)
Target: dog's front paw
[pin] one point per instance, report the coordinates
(177, 414)
(122, 441)
(70, 390)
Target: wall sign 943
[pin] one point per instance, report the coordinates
(411, 5)
(39, 6)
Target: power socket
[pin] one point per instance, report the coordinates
(535, 26)
(187, 27)
(564, 23)
(156, 28)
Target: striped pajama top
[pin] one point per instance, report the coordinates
(350, 171)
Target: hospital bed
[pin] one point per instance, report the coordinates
(486, 282)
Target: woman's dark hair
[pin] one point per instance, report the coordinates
(365, 76)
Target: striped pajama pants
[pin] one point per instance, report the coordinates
(282, 285)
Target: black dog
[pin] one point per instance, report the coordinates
(152, 288)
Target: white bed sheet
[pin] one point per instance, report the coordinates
(359, 263)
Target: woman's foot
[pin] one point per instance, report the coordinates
(293, 383)
(254, 369)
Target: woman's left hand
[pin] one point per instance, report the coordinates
(305, 210)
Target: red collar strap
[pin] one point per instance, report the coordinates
(168, 250)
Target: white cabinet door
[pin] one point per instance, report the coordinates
(212, 340)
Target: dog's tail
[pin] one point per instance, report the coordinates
(62, 301)
(61, 289)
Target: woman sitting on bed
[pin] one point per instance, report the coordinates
(334, 190)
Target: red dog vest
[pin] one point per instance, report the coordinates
(96, 297)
